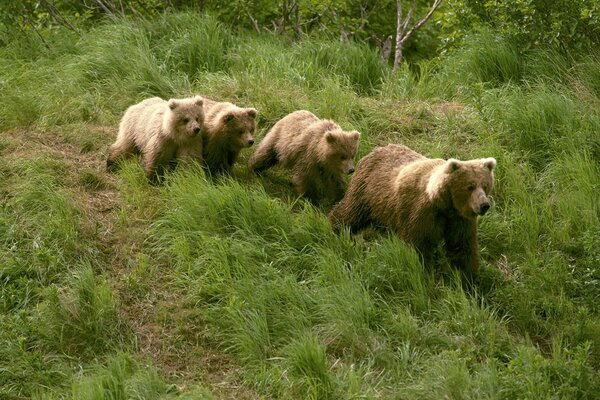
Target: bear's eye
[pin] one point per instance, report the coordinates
(470, 188)
(343, 158)
(185, 120)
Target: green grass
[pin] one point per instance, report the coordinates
(112, 288)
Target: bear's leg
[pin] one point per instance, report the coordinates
(155, 162)
(299, 184)
(231, 157)
(122, 147)
(307, 186)
(149, 163)
(263, 158)
(350, 212)
(337, 189)
(190, 152)
(462, 247)
(313, 194)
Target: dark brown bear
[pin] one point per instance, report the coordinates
(425, 201)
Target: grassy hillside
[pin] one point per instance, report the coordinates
(115, 289)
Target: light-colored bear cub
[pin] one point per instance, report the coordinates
(160, 131)
(319, 153)
(227, 130)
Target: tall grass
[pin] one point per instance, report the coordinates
(191, 44)
(42, 244)
(349, 299)
(121, 378)
(83, 321)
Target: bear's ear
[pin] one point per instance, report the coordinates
(330, 137)
(228, 117)
(251, 112)
(354, 135)
(452, 165)
(489, 163)
(173, 104)
(198, 100)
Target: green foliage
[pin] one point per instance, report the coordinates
(565, 24)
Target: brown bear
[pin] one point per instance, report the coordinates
(227, 130)
(318, 152)
(425, 201)
(160, 131)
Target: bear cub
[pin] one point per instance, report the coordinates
(319, 153)
(425, 201)
(227, 130)
(160, 131)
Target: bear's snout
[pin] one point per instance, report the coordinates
(250, 142)
(483, 208)
(351, 170)
(196, 130)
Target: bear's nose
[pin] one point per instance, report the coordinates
(351, 170)
(197, 130)
(250, 142)
(484, 208)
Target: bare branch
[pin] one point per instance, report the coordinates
(402, 34)
(105, 8)
(399, 35)
(254, 21)
(435, 5)
(57, 16)
(32, 25)
(399, 24)
(409, 16)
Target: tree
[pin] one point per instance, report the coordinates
(403, 32)
(563, 24)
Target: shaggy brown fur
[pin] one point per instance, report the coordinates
(227, 130)
(425, 201)
(160, 131)
(319, 153)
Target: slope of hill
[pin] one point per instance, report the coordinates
(112, 288)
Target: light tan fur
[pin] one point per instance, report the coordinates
(319, 153)
(160, 131)
(227, 130)
(425, 201)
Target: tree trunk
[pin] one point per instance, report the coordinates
(402, 30)
(399, 36)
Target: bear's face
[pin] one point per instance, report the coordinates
(341, 149)
(187, 116)
(239, 126)
(470, 183)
